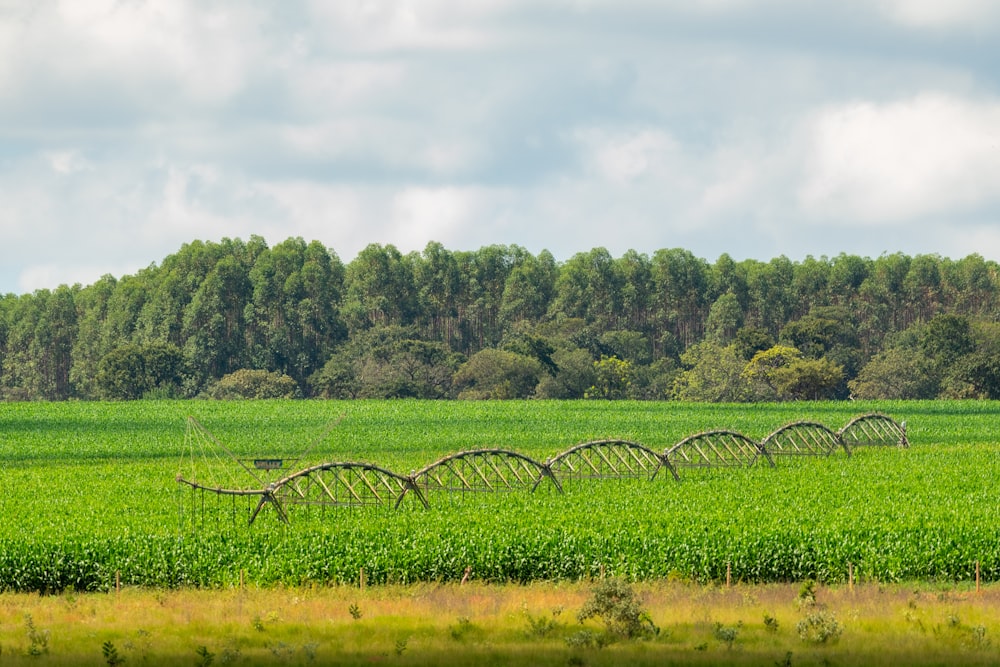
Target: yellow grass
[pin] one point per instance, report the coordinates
(479, 624)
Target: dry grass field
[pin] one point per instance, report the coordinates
(479, 624)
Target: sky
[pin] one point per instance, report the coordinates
(755, 128)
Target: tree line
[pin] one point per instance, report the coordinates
(240, 319)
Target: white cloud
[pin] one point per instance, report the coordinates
(623, 156)
(47, 275)
(382, 25)
(67, 161)
(420, 214)
(755, 127)
(942, 14)
(886, 163)
(144, 52)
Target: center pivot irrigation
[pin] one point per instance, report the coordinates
(209, 467)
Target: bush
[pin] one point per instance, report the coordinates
(253, 384)
(820, 627)
(615, 603)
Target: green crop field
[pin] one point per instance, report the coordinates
(90, 497)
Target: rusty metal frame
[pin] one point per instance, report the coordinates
(350, 484)
(874, 429)
(803, 438)
(483, 470)
(604, 459)
(713, 449)
(358, 484)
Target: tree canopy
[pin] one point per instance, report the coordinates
(501, 322)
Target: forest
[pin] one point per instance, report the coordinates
(239, 319)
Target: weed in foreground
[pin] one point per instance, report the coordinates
(820, 627)
(461, 628)
(541, 626)
(807, 594)
(770, 624)
(587, 639)
(38, 640)
(205, 657)
(615, 603)
(726, 634)
(110, 653)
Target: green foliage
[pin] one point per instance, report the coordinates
(827, 331)
(94, 494)
(387, 362)
(462, 628)
(751, 340)
(498, 374)
(726, 634)
(770, 624)
(613, 379)
(811, 380)
(895, 374)
(712, 374)
(296, 310)
(769, 373)
(947, 338)
(587, 639)
(725, 318)
(111, 655)
(132, 371)
(819, 627)
(541, 626)
(615, 602)
(253, 384)
(38, 640)
(205, 657)
(575, 375)
(807, 593)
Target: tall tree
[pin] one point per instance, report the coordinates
(214, 325)
(379, 289)
(680, 288)
(438, 282)
(90, 346)
(292, 319)
(589, 287)
(529, 289)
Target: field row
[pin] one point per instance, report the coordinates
(116, 511)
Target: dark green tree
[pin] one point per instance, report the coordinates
(680, 286)
(214, 325)
(498, 374)
(379, 289)
(896, 373)
(711, 374)
(132, 371)
(253, 384)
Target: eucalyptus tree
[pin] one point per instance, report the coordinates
(922, 287)
(881, 303)
(484, 274)
(529, 289)
(89, 346)
(589, 287)
(680, 302)
(438, 280)
(292, 319)
(379, 289)
(214, 325)
(39, 344)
